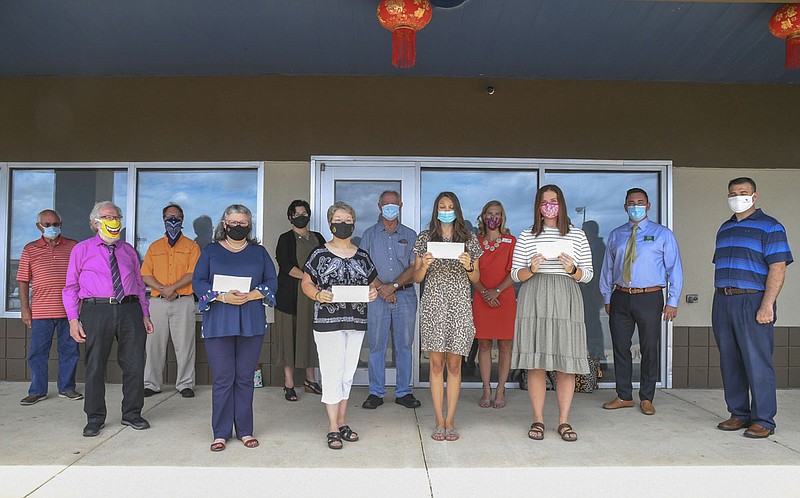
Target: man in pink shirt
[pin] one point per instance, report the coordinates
(43, 267)
(105, 298)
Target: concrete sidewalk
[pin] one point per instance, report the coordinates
(44, 454)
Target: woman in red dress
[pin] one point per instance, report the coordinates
(494, 305)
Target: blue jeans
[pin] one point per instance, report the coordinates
(399, 319)
(39, 353)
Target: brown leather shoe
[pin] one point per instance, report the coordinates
(732, 424)
(618, 403)
(647, 407)
(757, 431)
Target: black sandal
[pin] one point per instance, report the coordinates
(289, 393)
(347, 434)
(312, 387)
(333, 438)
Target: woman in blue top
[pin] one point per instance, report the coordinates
(234, 322)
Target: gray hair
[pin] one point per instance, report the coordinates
(219, 231)
(45, 211)
(344, 207)
(96, 212)
(388, 192)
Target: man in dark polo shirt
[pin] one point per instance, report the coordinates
(751, 257)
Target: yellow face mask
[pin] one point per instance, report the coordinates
(110, 228)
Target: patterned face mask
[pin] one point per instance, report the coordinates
(110, 228)
(492, 222)
(549, 210)
(173, 227)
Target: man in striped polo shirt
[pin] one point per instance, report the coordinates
(43, 266)
(751, 256)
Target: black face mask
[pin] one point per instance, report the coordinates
(342, 230)
(300, 221)
(237, 233)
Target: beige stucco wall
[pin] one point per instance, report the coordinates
(700, 206)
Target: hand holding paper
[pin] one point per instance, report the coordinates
(552, 249)
(351, 293)
(446, 250)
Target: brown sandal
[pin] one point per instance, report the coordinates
(249, 441)
(566, 433)
(218, 445)
(537, 431)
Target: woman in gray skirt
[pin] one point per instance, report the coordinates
(549, 334)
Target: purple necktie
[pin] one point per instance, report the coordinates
(116, 279)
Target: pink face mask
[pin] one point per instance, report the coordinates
(549, 210)
(492, 222)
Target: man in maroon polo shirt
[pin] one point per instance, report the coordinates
(43, 266)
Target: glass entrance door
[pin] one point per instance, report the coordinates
(360, 184)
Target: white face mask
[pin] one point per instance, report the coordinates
(740, 203)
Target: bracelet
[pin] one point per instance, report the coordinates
(471, 267)
(317, 295)
(530, 268)
(223, 298)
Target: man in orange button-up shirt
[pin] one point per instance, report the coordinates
(168, 267)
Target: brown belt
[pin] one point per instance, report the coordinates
(637, 290)
(407, 286)
(735, 291)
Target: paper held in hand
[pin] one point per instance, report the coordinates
(551, 249)
(350, 293)
(446, 250)
(227, 283)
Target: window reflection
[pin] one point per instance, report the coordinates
(203, 195)
(71, 192)
(363, 196)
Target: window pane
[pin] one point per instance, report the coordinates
(71, 192)
(203, 195)
(363, 196)
(599, 210)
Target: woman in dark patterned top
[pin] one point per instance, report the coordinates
(339, 327)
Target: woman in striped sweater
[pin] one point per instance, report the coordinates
(550, 335)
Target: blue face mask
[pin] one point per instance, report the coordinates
(51, 232)
(390, 212)
(446, 217)
(637, 213)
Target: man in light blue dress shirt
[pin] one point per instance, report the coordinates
(389, 244)
(635, 271)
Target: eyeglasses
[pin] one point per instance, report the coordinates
(110, 218)
(238, 223)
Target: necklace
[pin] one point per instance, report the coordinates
(493, 246)
(233, 247)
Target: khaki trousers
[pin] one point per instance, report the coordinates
(171, 319)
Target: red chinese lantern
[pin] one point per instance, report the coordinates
(785, 23)
(404, 18)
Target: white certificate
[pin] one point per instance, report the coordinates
(551, 249)
(350, 293)
(227, 283)
(446, 250)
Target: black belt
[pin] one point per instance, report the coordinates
(111, 300)
(161, 296)
(735, 291)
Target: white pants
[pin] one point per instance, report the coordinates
(338, 358)
(171, 319)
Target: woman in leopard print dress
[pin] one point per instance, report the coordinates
(446, 326)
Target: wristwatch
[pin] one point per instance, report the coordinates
(395, 285)
(574, 269)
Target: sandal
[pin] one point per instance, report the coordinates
(566, 433)
(485, 402)
(347, 434)
(537, 431)
(289, 393)
(218, 445)
(249, 441)
(438, 434)
(499, 403)
(451, 435)
(312, 387)
(335, 441)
